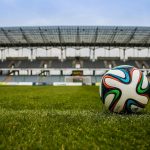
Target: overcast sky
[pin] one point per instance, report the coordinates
(74, 12)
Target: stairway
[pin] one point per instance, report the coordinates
(41, 64)
(138, 64)
(145, 64)
(106, 64)
(10, 64)
(114, 63)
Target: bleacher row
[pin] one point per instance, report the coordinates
(72, 63)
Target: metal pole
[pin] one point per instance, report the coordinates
(120, 53)
(2, 55)
(50, 52)
(93, 55)
(109, 52)
(62, 54)
(22, 52)
(31, 54)
(65, 52)
(139, 52)
(124, 54)
(46, 52)
(105, 52)
(17, 51)
(8, 52)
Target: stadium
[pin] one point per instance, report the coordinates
(77, 55)
(49, 93)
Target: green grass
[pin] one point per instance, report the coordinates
(66, 118)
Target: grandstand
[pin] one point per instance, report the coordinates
(45, 55)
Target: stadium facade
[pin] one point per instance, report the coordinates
(34, 62)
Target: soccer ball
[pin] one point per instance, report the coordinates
(124, 89)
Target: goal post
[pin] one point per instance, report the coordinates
(86, 80)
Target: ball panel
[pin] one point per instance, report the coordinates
(132, 105)
(141, 82)
(110, 102)
(145, 82)
(117, 73)
(125, 79)
(112, 83)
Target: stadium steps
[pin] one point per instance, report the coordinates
(114, 63)
(11, 63)
(145, 64)
(138, 64)
(42, 64)
(106, 64)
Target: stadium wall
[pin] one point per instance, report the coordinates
(47, 80)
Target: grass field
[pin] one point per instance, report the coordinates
(66, 118)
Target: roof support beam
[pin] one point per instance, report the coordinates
(60, 36)
(24, 36)
(43, 36)
(10, 39)
(131, 36)
(78, 37)
(95, 36)
(111, 39)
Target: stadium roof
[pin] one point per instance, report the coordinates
(75, 36)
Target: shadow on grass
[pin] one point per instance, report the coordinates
(106, 112)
